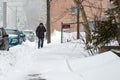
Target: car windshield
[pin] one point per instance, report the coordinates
(11, 31)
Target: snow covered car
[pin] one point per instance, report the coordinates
(14, 37)
(30, 35)
(22, 35)
(4, 41)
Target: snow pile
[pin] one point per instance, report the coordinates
(99, 67)
(89, 63)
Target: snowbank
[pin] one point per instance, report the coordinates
(82, 65)
(103, 66)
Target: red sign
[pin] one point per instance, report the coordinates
(66, 26)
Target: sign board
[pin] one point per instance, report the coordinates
(66, 27)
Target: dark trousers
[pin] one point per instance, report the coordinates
(40, 42)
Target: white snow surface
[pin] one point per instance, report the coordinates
(56, 61)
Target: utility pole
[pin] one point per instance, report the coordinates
(48, 22)
(4, 14)
(78, 29)
(16, 18)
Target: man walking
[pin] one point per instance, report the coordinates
(40, 34)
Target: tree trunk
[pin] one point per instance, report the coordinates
(86, 25)
(84, 17)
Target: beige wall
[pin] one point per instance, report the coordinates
(61, 11)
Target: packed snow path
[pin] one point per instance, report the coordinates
(28, 59)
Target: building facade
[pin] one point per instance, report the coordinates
(64, 11)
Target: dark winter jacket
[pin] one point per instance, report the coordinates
(40, 31)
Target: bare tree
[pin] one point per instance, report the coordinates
(96, 11)
(84, 17)
(95, 14)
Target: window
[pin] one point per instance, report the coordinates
(91, 25)
(73, 10)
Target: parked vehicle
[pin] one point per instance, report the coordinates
(30, 35)
(14, 36)
(22, 35)
(4, 40)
